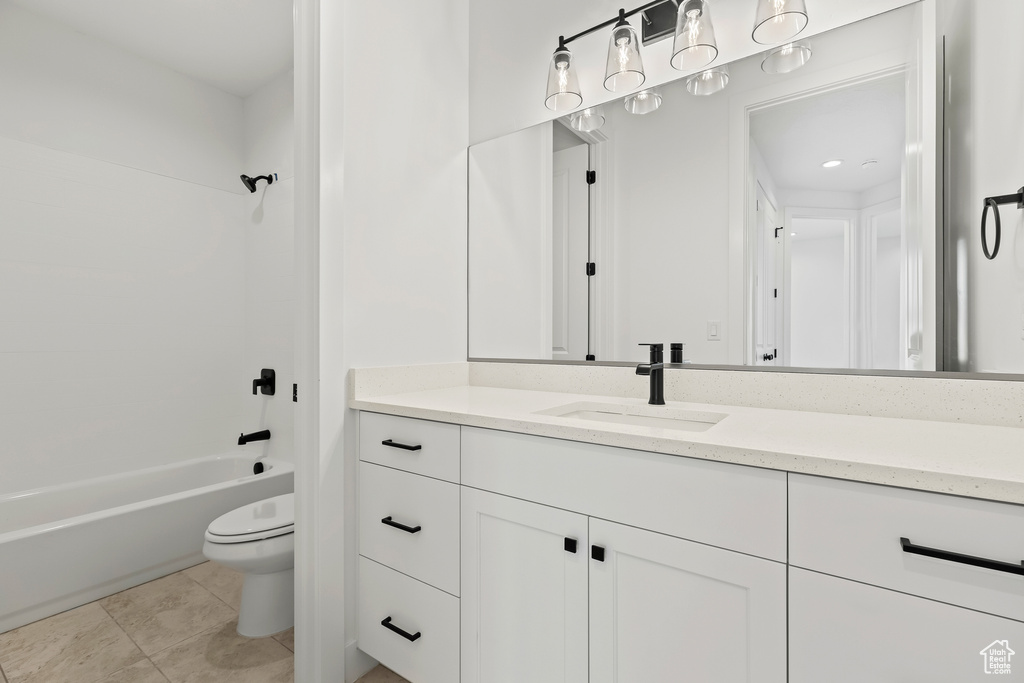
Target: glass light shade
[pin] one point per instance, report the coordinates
(625, 70)
(563, 92)
(695, 46)
(588, 120)
(777, 21)
(644, 102)
(786, 58)
(708, 82)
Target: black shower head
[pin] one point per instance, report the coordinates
(250, 183)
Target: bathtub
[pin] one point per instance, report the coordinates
(64, 546)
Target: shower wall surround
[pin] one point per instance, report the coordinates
(123, 268)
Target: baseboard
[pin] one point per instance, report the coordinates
(357, 663)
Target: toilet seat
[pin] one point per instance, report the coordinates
(255, 522)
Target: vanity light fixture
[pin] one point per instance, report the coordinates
(832, 164)
(625, 68)
(587, 120)
(786, 58)
(778, 21)
(694, 46)
(709, 81)
(563, 92)
(643, 102)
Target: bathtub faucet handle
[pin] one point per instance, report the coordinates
(266, 382)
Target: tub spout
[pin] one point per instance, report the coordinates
(255, 436)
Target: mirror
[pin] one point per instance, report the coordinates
(712, 221)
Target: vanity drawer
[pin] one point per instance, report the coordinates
(854, 530)
(430, 554)
(720, 504)
(419, 446)
(415, 608)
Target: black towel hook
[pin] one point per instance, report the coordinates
(993, 203)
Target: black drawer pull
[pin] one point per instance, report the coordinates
(597, 553)
(403, 446)
(998, 566)
(411, 637)
(409, 529)
(570, 545)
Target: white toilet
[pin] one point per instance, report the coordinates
(258, 540)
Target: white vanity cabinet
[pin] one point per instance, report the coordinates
(563, 596)
(885, 587)
(408, 611)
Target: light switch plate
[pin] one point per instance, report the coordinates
(714, 330)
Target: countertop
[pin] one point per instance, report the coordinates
(978, 461)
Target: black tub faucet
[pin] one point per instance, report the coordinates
(656, 369)
(255, 436)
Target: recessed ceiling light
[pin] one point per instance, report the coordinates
(869, 163)
(832, 164)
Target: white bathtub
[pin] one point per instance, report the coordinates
(67, 545)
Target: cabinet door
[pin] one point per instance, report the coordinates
(524, 594)
(847, 632)
(665, 609)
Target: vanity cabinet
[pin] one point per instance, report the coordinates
(560, 595)
(408, 611)
(863, 608)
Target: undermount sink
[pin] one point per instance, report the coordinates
(638, 415)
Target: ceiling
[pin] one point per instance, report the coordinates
(854, 124)
(234, 45)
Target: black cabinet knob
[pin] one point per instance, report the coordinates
(597, 553)
(570, 545)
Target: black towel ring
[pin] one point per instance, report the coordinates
(993, 203)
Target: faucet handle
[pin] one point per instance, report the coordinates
(657, 352)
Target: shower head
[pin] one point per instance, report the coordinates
(250, 183)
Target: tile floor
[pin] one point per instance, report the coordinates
(176, 629)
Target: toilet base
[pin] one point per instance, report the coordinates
(268, 604)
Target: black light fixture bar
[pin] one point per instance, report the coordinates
(562, 41)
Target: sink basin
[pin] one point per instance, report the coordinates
(658, 417)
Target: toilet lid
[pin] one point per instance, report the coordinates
(262, 519)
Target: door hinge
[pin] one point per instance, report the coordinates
(591, 269)
(295, 393)
(591, 177)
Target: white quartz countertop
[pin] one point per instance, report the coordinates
(978, 461)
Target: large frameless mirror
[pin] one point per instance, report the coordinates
(776, 211)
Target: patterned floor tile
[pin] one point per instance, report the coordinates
(225, 583)
(220, 655)
(165, 612)
(77, 646)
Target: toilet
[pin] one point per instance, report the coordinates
(258, 540)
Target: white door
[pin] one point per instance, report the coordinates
(524, 593)
(570, 253)
(665, 609)
(767, 288)
(847, 632)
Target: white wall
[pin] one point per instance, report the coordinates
(122, 265)
(984, 67)
(511, 46)
(270, 300)
(671, 239)
(510, 243)
(392, 245)
(818, 297)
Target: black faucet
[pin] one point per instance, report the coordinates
(267, 382)
(656, 369)
(255, 436)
